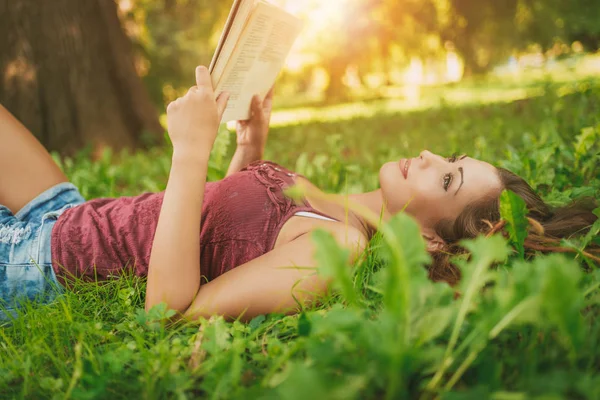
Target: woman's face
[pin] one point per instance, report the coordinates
(432, 188)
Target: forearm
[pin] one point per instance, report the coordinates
(243, 156)
(174, 271)
(277, 281)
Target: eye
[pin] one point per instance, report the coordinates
(448, 181)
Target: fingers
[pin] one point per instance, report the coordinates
(268, 103)
(256, 107)
(222, 103)
(174, 104)
(270, 94)
(203, 78)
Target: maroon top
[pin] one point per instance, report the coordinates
(241, 218)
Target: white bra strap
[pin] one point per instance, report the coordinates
(313, 215)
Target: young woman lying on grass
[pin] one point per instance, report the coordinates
(229, 247)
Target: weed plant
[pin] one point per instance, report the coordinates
(524, 329)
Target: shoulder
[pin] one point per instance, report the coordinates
(349, 237)
(346, 236)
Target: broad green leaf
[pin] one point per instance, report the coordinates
(585, 141)
(513, 210)
(304, 325)
(516, 293)
(432, 324)
(504, 395)
(561, 297)
(217, 336)
(581, 243)
(593, 232)
(405, 250)
(256, 322)
(333, 263)
(336, 320)
(303, 382)
(484, 252)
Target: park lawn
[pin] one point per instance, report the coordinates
(526, 329)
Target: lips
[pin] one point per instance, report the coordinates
(404, 166)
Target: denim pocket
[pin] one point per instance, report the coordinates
(21, 283)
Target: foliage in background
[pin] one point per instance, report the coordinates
(171, 38)
(371, 36)
(524, 329)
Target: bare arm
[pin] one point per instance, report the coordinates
(174, 270)
(272, 282)
(252, 134)
(243, 157)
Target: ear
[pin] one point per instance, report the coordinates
(433, 240)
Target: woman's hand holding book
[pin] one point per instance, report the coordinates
(252, 134)
(193, 120)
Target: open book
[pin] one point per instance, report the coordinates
(257, 39)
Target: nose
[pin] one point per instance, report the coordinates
(425, 154)
(426, 157)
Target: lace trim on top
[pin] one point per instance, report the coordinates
(277, 178)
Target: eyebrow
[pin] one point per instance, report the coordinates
(463, 157)
(462, 179)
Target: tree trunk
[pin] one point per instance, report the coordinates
(67, 72)
(336, 90)
(472, 66)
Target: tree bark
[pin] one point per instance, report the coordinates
(67, 72)
(336, 90)
(466, 49)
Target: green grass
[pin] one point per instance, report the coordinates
(527, 329)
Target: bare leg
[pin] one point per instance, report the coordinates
(26, 168)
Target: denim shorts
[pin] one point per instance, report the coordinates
(26, 273)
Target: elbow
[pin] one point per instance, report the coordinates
(150, 304)
(178, 306)
(177, 292)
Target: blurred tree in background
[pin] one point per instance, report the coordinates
(69, 71)
(483, 32)
(171, 38)
(544, 22)
(366, 33)
(68, 74)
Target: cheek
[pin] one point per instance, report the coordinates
(432, 205)
(417, 196)
(400, 194)
(427, 207)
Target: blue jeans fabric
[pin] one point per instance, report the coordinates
(26, 272)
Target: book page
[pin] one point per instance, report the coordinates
(230, 18)
(236, 22)
(258, 58)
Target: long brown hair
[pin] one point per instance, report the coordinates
(547, 225)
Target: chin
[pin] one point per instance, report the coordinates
(390, 172)
(390, 178)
